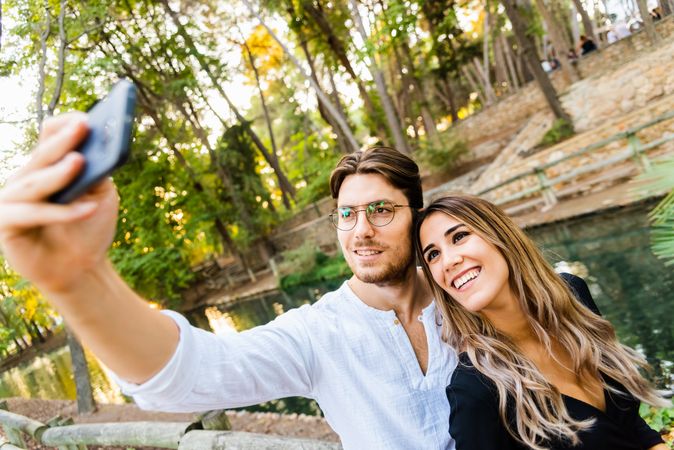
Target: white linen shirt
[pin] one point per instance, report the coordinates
(354, 360)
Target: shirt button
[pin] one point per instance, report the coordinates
(420, 318)
(396, 322)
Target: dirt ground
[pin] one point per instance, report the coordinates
(292, 425)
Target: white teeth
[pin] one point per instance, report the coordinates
(367, 252)
(466, 278)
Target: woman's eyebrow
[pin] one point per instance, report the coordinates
(447, 233)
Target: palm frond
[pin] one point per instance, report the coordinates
(661, 178)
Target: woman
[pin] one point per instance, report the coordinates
(538, 369)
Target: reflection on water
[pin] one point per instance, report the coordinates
(50, 377)
(633, 289)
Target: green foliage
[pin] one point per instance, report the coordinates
(290, 405)
(659, 179)
(154, 237)
(306, 265)
(444, 157)
(25, 316)
(559, 131)
(660, 419)
(300, 260)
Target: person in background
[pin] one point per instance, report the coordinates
(655, 14)
(586, 45)
(538, 368)
(621, 29)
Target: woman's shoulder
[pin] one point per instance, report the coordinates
(580, 290)
(468, 382)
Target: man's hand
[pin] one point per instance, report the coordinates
(62, 250)
(54, 245)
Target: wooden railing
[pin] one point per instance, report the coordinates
(545, 186)
(65, 435)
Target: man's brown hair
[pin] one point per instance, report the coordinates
(399, 169)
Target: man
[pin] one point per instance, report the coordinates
(369, 353)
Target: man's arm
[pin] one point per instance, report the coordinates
(62, 249)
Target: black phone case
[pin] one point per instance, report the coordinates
(107, 145)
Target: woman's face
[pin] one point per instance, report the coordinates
(470, 269)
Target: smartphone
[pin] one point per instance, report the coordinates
(107, 145)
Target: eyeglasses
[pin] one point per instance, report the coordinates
(379, 214)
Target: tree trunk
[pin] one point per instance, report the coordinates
(520, 66)
(267, 118)
(575, 28)
(474, 85)
(559, 42)
(653, 36)
(529, 52)
(342, 140)
(339, 50)
(483, 79)
(391, 118)
(424, 105)
(449, 92)
(485, 44)
(401, 95)
(503, 81)
(85, 397)
(39, 97)
(508, 52)
(63, 43)
(588, 28)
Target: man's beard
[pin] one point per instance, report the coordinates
(390, 274)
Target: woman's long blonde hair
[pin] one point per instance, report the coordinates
(552, 312)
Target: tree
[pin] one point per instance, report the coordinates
(319, 92)
(559, 42)
(646, 19)
(286, 187)
(391, 117)
(529, 53)
(587, 22)
(85, 401)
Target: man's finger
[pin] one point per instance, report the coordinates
(56, 146)
(40, 184)
(23, 216)
(52, 125)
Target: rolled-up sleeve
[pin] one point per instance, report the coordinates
(238, 369)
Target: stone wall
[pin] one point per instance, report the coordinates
(626, 88)
(490, 130)
(320, 231)
(623, 50)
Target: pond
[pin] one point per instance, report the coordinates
(633, 289)
(50, 376)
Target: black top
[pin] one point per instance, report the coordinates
(587, 46)
(475, 422)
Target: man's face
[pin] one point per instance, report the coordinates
(376, 254)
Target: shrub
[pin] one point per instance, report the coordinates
(443, 157)
(560, 130)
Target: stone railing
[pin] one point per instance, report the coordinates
(184, 436)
